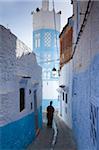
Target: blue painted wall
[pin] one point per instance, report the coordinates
(19, 134)
(81, 110)
(85, 94)
(42, 47)
(40, 117)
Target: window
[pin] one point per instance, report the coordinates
(29, 91)
(74, 86)
(93, 124)
(66, 99)
(37, 40)
(22, 99)
(55, 40)
(66, 110)
(31, 105)
(47, 39)
(63, 96)
(48, 58)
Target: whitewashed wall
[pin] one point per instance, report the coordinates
(66, 80)
(45, 20)
(16, 61)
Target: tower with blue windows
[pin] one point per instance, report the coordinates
(46, 29)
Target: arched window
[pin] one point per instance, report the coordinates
(37, 40)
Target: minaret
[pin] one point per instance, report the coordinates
(46, 45)
(45, 5)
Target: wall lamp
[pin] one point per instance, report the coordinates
(54, 71)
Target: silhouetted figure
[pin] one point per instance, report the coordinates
(50, 113)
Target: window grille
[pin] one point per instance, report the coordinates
(47, 39)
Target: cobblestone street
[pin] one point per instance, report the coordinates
(45, 140)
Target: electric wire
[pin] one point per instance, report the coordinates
(89, 6)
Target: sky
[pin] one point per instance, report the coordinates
(16, 15)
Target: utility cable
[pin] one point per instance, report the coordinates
(89, 6)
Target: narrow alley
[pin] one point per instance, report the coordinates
(49, 75)
(59, 137)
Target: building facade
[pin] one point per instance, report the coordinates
(46, 28)
(65, 78)
(20, 93)
(85, 100)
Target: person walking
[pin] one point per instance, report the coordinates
(50, 114)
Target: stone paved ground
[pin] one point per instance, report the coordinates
(44, 139)
(64, 140)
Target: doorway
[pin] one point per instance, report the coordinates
(35, 110)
